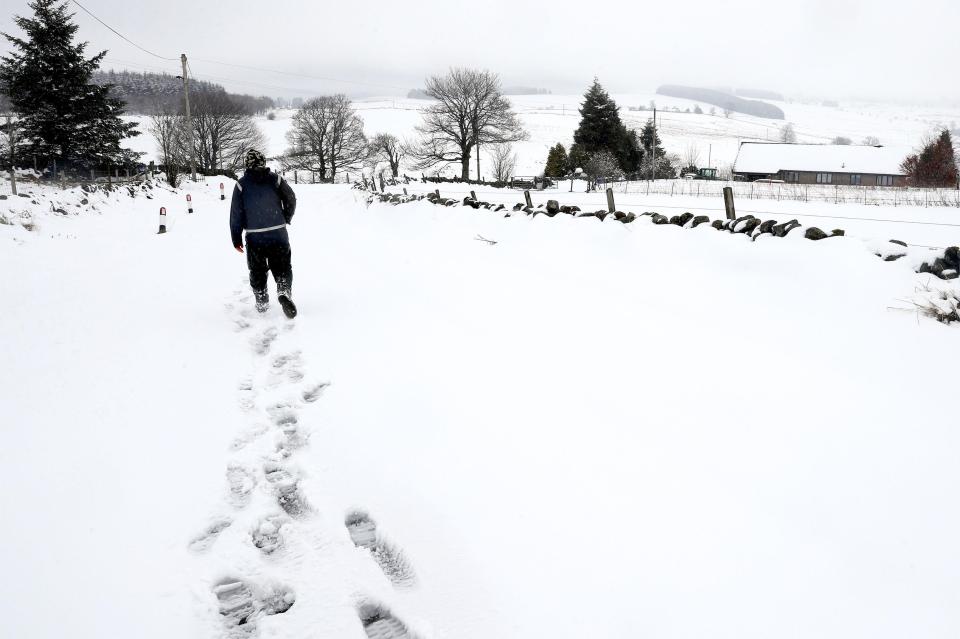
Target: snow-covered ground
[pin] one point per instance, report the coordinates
(587, 429)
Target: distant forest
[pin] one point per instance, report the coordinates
(760, 94)
(148, 93)
(723, 100)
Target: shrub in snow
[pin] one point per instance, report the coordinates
(941, 305)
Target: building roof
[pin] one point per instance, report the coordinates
(769, 157)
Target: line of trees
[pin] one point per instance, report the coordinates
(469, 115)
(603, 146)
(222, 132)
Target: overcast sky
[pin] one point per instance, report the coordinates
(840, 49)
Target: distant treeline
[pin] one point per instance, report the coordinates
(723, 100)
(759, 94)
(526, 91)
(149, 93)
(418, 94)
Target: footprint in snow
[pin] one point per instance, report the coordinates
(283, 414)
(379, 623)
(312, 393)
(250, 435)
(263, 340)
(247, 395)
(206, 539)
(391, 559)
(240, 483)
(241, 604)
(286, 487)
(267, 533)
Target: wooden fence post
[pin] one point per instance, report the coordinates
(473, 196)
(437, 191)
(728, 203)
(526, 196)
(295, 180)
(404, 191)
(611, 207)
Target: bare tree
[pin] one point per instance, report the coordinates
(691, 155)
(470, 110)
(503, 162)
(222, 132)
(787, 134)
(603, 164)
(166, 127)
(871, 140)
(387, 148)
(326, 136)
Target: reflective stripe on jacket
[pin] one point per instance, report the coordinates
(263, 205)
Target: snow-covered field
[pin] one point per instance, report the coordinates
(587, 429)
(554, 118)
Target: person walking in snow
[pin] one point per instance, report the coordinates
(263, 205)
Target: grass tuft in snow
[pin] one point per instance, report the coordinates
(941, 305)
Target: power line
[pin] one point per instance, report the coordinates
(303, 75)
(241, 66)
(88, 12)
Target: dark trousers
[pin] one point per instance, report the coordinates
(273, 257)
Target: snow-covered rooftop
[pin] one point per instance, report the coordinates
(766, 157)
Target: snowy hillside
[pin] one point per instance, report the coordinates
(584, 429)
(553, 118)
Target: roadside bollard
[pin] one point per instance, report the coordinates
(163, 220)
(222, 196)
(189, 204)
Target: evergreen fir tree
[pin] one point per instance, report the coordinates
(599, 120)
(627, 150)
(63, 115)
(578, 158)
(650, 140)
(601, 129)
(556, 162)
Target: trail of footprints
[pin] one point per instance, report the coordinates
(240, 602)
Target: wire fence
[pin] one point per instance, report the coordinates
(826, 193)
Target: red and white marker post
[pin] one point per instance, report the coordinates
(163, 220)
(222, 196)
(189, 204)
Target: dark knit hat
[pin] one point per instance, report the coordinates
(254, 160)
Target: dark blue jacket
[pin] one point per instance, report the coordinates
(263, 204)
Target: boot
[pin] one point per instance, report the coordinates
(289, 308)
(261, 300)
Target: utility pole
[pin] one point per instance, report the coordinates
(186, 99)
(12, 136)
